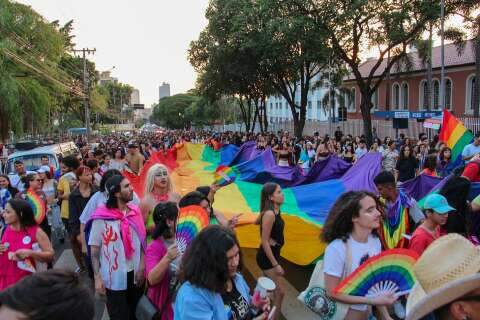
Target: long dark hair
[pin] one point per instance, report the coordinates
(205, 263)
(402, 153)
(441, 155)
(164, 211)
(456, 191)
(113, 186)
(24, 212)
(339, 223)
(265, 203)
(13, 191)
(107, 175)
(430, 162)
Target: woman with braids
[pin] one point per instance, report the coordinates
(161, 252)
(350, 234)
(272, 239)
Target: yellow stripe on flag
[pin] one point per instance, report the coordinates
(456, 135)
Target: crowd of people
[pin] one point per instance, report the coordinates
(126, 242)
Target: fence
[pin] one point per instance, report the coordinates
(353, 127)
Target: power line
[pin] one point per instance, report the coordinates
(18, 59)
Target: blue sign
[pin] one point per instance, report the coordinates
(407, 114)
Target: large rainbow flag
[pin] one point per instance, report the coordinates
(308, 197)
(455, 135)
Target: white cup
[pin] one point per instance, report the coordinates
(264, 285)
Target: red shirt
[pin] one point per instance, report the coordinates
(472, 171)
(422, 238)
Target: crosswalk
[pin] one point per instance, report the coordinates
(292, 309)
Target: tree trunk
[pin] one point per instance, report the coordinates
(476, 89)
(255, 117)
(430, 100)
(245, 116)
(263, 105)
(365, 107)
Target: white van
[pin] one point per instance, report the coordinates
(32, 158)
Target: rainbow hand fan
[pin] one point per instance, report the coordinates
(224, 176)
(389, 272)
(38, 205)
(191, 220)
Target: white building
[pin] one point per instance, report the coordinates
(164, 91)
(142, 114)
(106, 76)
(278, 109)
(135, 97)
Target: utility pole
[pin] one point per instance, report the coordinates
(86, 91)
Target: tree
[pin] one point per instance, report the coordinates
(172, 112)
(252, 49)
(387, 25)
(30, 49)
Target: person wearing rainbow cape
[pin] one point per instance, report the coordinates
(401, 213)
(116, 236)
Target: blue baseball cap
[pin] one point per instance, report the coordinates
(437, 203)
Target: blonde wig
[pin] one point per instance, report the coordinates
(150, 181)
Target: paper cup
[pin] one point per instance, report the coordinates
(264, 285)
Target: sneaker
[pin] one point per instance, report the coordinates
(399, 310)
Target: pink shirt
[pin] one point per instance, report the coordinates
(10, 273)
(158, 294)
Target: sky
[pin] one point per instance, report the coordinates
(146, 40)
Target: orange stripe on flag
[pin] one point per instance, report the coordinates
(456, 135)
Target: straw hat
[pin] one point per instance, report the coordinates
(446, 271)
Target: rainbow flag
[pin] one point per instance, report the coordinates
(308, 198)
(455, 135)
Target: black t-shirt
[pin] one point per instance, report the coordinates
(236, 305)
(406, 168)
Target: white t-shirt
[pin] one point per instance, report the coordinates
(335, 256)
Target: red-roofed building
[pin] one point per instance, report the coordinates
(408, 88)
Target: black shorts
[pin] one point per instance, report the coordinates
(262, 260)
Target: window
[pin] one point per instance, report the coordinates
(470, 98)
(436, 94)
(448, 94)
(423, 94)
(396, 96)
(309, 110)
(375, 100)
(351, 101)
(405, 96)
(271, 105)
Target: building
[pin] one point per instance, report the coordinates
(142, 114)
(106, 76)
(164, 91)
(135, 97)
(408, 88)
(278, 109)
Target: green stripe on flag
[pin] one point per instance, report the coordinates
(464, 140)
